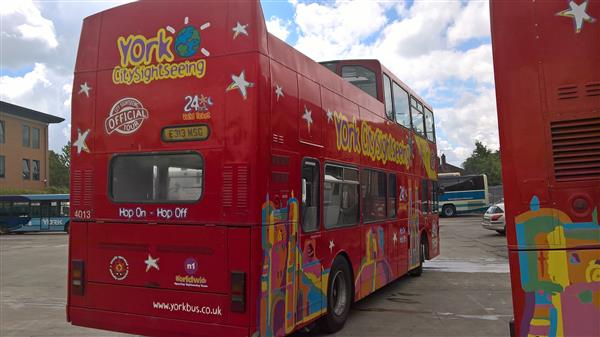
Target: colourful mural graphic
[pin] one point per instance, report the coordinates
(144, 60)
(288, 296)
(375, 270)
(413, 224)
(370, 141)
(427, 156)
(562, 286)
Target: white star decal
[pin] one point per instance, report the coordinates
(395, 238)
(577, 12)
(240, 83)
(239, 29)
(329, 116)
(84, 88)
(80, 142)
(331, 245)
(307, 117)
(151, 263)
(278, 92)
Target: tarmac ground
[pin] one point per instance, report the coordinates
(464, 292)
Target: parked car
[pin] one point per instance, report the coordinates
(493, 218)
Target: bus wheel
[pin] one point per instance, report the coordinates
(422, 254)
(448, 211)
(339, 296)
(67, 228)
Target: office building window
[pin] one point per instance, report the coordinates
(35, 138)
(2, 133)
(36, 170)
(26, 136)
(2, 169)
(26, 170)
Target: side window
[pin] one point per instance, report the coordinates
(387, 95)
(391, 205)
(310, 195)
(374, 186)
(35, 209)
(26, 169)
(361, 77)
(35, 138)
(401, 106)
(2, 133)
(26, 132)
(330, 65)
(435, 196)
(424, 196)
(340, 199)
(416, 112)
(429, 125)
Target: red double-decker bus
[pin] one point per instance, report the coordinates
(224, 184)
(547, 69)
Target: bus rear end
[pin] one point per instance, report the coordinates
(164, 155)
(546, 62)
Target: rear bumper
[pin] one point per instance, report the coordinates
(149, 325)
(495, 226)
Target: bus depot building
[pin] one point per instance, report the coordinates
(24, 147)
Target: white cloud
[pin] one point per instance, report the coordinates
(472, 118)
(278, 27)
(327, 32)
(470, 23)
(42, 89)
(23, 20)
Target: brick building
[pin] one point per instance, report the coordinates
(24, 147)
(444, 167)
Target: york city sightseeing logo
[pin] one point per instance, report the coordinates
(146, 59)
(118, 268)
(126, 116)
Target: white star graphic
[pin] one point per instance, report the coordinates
(331, 245)
(240, 83)
(307, 117)
(395, 238)
(239, 29)
(84, 88)
(80, 142)
(577, 12)
(329, 116)
(278, 92)
(151, 263)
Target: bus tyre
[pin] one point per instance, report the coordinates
(67, 228)
(448, 211)
(422, 254)
(339, 296)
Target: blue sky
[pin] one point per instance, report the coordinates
(441, 49)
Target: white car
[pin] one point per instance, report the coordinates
(493, 218)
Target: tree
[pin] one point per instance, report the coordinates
(485, 161)
(60, 164)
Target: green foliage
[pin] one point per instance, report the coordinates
(48, 190)
(485, 161)
(60, 164)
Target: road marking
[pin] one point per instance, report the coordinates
(467, 266)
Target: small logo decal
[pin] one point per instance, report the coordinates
(191, 266)
(126, 116)
(119, 268)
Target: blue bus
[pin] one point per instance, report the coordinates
(462, 194)
(34, 213)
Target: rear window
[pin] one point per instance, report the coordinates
(157, 178)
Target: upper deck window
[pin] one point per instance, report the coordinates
(429, 125)
(416, 112)
(401, 105)
(157, 178)
(387, 95)
(330, 65)
(361, 77)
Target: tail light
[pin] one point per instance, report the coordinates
(495, 217)
(238, 291)
(77, 277)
